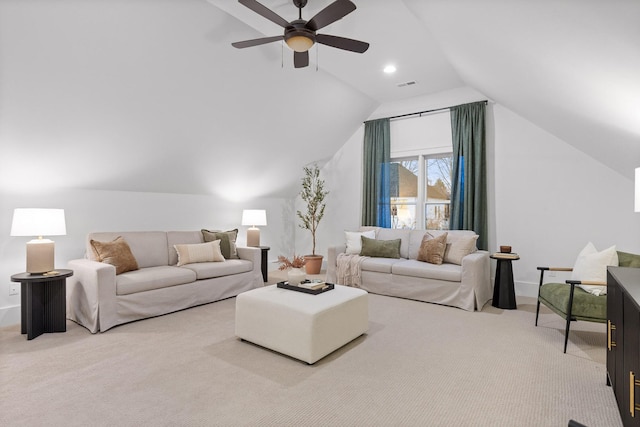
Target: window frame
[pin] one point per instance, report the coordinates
(421, 199)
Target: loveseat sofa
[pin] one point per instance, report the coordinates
(99, 299)
(466, 285)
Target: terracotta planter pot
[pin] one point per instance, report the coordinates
(313, 263)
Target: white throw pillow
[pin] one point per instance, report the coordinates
(354, 242)
(199, 252)
(592, 265)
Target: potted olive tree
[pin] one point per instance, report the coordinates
(313, 194)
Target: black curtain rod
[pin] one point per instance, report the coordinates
(420, 113)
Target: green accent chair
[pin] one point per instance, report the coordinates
(572, 303)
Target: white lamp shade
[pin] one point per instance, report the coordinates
(254, 217)
(637, 192)
(38, 222)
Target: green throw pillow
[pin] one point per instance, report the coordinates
(227, 241)
(380, 248)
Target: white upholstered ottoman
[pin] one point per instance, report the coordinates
(304, 326)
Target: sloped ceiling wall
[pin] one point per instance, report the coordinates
(141, 95)
(572, 67)
(148, 95)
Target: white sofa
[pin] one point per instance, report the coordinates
(467, 286)
(99, 299)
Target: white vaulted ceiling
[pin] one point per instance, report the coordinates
(149, 95)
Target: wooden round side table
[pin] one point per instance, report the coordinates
(504, 294)
(43, 303)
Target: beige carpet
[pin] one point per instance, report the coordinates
(419, 365)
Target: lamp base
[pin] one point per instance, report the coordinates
(40, 256)
(253, 236)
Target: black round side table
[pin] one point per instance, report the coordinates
(43, 302)
(504, 294)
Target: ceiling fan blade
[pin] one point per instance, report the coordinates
(330, 14)
(264, 11)
(256, 42)
(300, 59)
(343, 43)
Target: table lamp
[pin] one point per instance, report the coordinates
(254, 217)
(39, 222)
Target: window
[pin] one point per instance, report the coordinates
(420, 172)
(438, 198)
(420, 181)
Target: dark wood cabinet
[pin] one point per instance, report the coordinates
(623, 340)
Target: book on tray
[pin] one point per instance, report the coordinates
(504, 255)
(313, 284)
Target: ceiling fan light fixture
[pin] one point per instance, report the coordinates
(299, 43)
(300, 35)
(298, 38)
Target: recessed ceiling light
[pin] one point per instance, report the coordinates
(390, 69)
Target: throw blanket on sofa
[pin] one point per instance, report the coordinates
(348, 271)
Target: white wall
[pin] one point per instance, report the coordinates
(546, 198)
(88, 211)
(343, 178)
(551, 199)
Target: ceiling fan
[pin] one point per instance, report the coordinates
(300, 35)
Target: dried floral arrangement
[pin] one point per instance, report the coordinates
(298, 262)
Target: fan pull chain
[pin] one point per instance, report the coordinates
(317, 49)
(282, 54)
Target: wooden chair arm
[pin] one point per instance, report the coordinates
(555, 268)
(586, 282)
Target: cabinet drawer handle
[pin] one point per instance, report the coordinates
(610, 342)
(633, 382)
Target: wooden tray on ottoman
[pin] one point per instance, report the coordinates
(286, 285)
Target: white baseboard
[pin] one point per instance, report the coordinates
(526, 289)
(9, 316)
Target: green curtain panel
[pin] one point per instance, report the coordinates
(469, 192)
(376, 201)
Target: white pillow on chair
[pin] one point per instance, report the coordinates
(592, 265)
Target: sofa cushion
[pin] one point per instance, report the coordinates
(585, 306)
(207, 270)
(150, 278)
(415, 241)
(402, 234)
(148, 247)
(380, 248)
(227, 241)
(116, 252)
(432, 248)
(199, 252)
(415, 268)
(379, 265)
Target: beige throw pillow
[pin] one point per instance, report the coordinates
(432, 248)
(117, 253)
(199, 252)
(459, 247)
